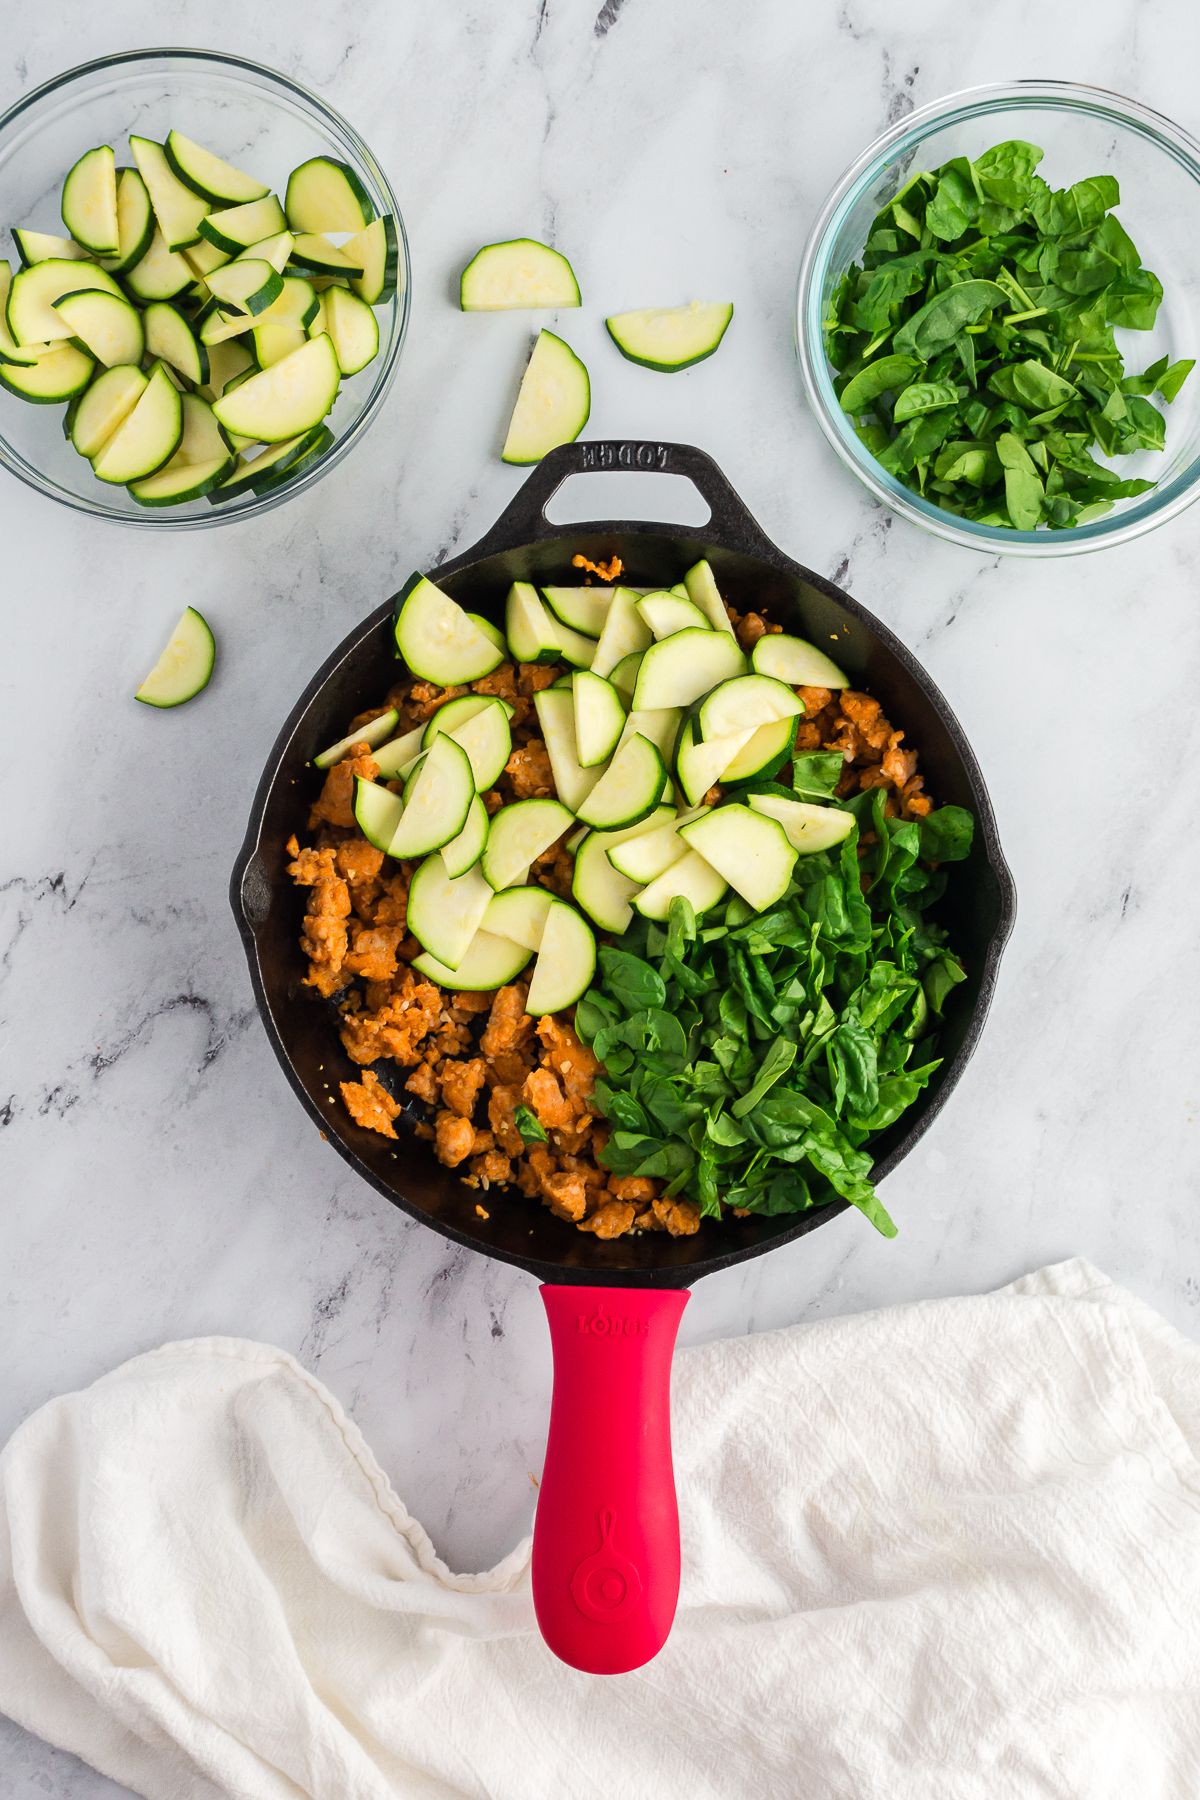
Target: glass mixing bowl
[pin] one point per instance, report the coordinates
(256, 119)
(1083, 131)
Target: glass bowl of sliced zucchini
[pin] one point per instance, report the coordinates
(204, 291)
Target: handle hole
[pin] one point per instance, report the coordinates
(650, 495)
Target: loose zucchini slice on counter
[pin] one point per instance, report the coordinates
(135, 222)
(107, 326)
(437, 639)
(436, 801)
(809, 828)
(566, 962)
(148, 437)
(691, 877)
(89, 202)
(59, 375)
(518, 835)
(796, 661)
(464, 851)
(491, 962)
(629, 789)
(374, 732)
(682, 668)
(326, 195)
(185, 667)
(43, 246)
(291, 397)
(209, 175)
(178, 210)
(30, 307)
(444, 911)
(354, 329)
(170, 339)
(751, 851)
(553, 402)
(377, 250)
(670, 338)
(235, 228)
(105, 405)
(518, 273)
(160, 273)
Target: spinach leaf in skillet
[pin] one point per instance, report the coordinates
(749, 1058)
(974, 347)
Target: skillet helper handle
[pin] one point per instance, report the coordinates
(606, 1533)
(524, 520)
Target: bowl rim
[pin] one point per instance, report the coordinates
(1166, 501)
(399, 307)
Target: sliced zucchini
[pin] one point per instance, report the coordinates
(135, 222)
(226, 363)
(519, 273)
(30, 305)
(553, 402)
(445, 912)
(491, 962)
(624, 633)
(691, 877)
(629, 789)
(464, 851)
(204, 257)
(624, 676)
(312, 447)
(566, 962)
(556, 716)
(699, 765)
(377, 811)
(599, 717)
(809, 828)
(650, 854)
(677, 671)
(107, 326)
(583, 609)
(436, 801)
(752, 852)
(209, 175)
(289, 398)
(276, 250)
(148, 437)
(59, 375)
(170, 339)
(668, 338)
(247, 285)
(217, 327)
(764, 753)
(376, 249)
(160, 274)
(529, 627)
(701, 587)
(326, 195)
(745, 700)
(661, 727)
(24, 355)
(399, 755)
(181, 481)
(178, 210)
(202, 439)
(106, 404)
(273, 342)
(297, 304)
(437, 639)
(479, 724)
(281, 460)
(796, 661)
(492, 632)
(43, 246)
(375, 731)
(354, 330)
(667, 613)
(520, 913)
(235, 228)
(518, 835)
(89, 202)
(185, 667)
(315, 253)
(596, 886)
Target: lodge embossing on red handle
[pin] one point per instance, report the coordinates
(606, 1585)
(601, 1324)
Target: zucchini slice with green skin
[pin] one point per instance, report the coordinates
(699, 765)
(436, 801)
(583, 609)
(764, 753)
(479, 725)
(273, 342)
(148, 438)
(464, 851)
(279, 460)
(751, 851)
(649, 854)
(398, 755)
(553, 403)
(326, 195)
(160, 274)
(235, 228)
(30, 305)
(89, 202)
(181, 481)
(701, 587)
(809, 828)
(312, 448)
(185, 667)
(105, 405)
(313, 252)
(555, 709)
(520, 273)
(660, 726)
(518, 835)
(377, 250)
(692, 878)
(796, 661)
(520, 913)
(745, 701)
(354, 330)
(492, 632)
(170, 339)
(43, 246)
(491, 962)
(297, 304)
(248, 285)
(135, 222)
(529, 627)
(374, 732)
(667, 613)
(204, 257)
(60, 375)
(107, 326)
(624, 676)
(682, 668)
(437, 639)
(596, 886)
(565, 962)
(445, 912)
(178, 210)
(629, 789)
(377, 812)
(226, 363)
(202, 439)
(287, 399)
(670, 338)
(276, 250)
(599, 717)
(624, 633)
(209, 175)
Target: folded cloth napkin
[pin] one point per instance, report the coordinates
(947, 1550)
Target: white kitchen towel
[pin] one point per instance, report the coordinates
(950, 1551)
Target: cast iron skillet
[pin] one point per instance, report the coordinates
(606, 1544)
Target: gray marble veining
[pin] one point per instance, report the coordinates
(157, 1179)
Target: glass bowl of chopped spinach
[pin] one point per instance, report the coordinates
(997, 318)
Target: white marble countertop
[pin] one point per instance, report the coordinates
(157, 1178)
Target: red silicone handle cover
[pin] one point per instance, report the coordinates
(606, 1534)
